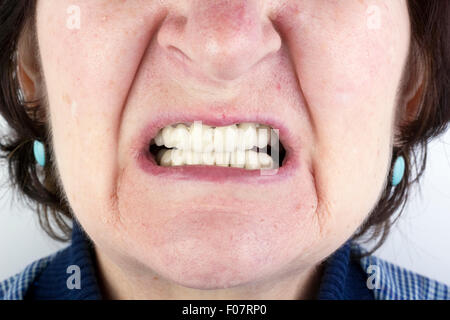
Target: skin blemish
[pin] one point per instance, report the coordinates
(73, 105)
(66, 98)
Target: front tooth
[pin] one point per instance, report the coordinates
(265, 160)
(191, 157)
(222, 159)
(196, 136)
(219, 139)
(208, 158)
(263, 136)
(247, 136)
(165, 157)
(237, 159)
(251, 160)
(207, 139)
(181, 137)
(231, 138)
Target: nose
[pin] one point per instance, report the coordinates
(223, 39)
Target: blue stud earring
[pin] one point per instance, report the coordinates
(398, 171)
(39, 152)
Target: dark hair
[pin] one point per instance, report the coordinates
(429, 58)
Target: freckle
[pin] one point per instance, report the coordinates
(66, 98)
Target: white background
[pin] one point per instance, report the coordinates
(420, 241)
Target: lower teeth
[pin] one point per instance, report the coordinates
(249, 159)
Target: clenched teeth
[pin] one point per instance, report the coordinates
(229, 146)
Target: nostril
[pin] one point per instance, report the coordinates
(221, 40)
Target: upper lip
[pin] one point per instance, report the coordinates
(162, 120)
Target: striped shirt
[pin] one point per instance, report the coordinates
(345, 277)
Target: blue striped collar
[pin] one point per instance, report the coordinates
(343, 278)
(52, 282)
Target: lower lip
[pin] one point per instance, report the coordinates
(216, 173)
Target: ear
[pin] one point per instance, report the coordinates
(412, 89)
(413, 98)
(28, 72)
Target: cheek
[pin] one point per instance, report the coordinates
(349, 75)
(88, 75)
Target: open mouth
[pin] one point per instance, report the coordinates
(250, 146)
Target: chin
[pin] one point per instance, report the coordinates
(211, 271)
(194, 256)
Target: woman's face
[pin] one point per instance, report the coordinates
(325, 73)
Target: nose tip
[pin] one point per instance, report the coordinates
(223, 39)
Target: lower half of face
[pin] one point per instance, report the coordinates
(329, 94)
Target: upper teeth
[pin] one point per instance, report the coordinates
(202, 138)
